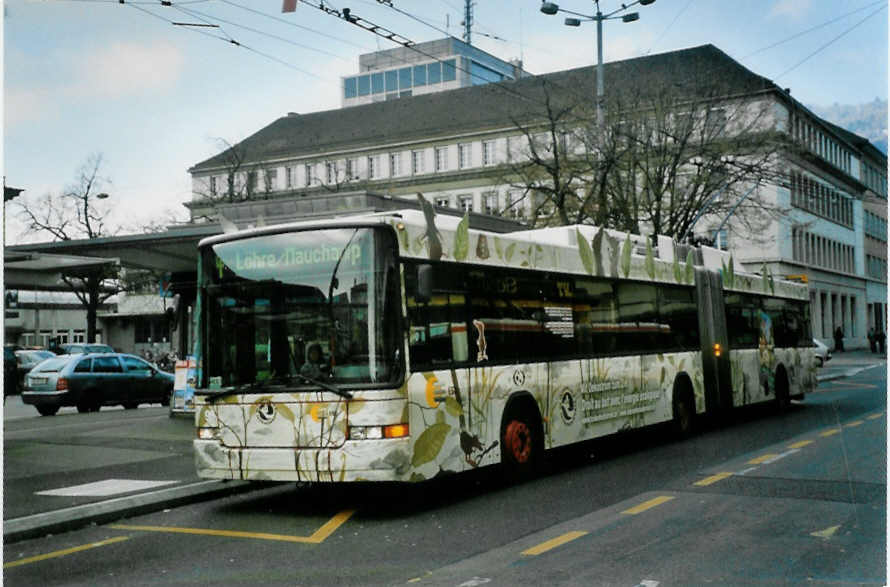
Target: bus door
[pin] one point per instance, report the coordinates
(716, 367)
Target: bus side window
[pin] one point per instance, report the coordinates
(637, 317)
(742, 320)
(596, 317)
(438, 327)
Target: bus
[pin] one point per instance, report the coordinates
(402, 346)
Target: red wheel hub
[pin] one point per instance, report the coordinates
(518, 439)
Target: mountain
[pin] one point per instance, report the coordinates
(867, 120)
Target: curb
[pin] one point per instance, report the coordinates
(102, 512)
(847, 373)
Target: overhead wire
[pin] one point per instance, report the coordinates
(829, 43)
(293, 24)
(199, 14)
(228, 39)
(414, 48)
(811, 29)
(661, 36)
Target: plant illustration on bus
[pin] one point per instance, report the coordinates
(407, 345)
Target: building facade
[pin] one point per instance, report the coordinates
(456, 146)
(434, 66)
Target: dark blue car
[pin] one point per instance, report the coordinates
(93, 380)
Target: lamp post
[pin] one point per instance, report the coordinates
(552, 8)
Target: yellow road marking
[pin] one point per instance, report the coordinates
(853, 424)
(331, 526)
(648, 505)
(319, 536)
(874, 416)
(553, 543)
(712, 479)
(831, 432)
(826, 533)
(41, 557)
(761, 459)
(800, 444)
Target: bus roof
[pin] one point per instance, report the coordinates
(579, 249)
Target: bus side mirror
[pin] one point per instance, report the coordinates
(424, 284)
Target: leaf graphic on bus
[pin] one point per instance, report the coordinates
(452, 407)
(625, 256)
(678, 276)
(661, 380)
(508, 254)
(462, 238)
(498, 248)
(614, 254)
(730, 272)
(430, 443)
(764, 278)
(286, 413)
(597, 245)
(650, 260)
(772, 283)
(585, 252)
(690, 267)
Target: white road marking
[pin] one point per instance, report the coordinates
(106, 487)
(475, 581)
(780, 456)
(648, 583)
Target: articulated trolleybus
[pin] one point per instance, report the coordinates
(404, 345)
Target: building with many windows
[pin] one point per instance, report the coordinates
(434, 66)
(455, 147)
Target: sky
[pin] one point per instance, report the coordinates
(153, 98)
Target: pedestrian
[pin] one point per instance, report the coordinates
(872, 340)
(881, 339)
(838, 339)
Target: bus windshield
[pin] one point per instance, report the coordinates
(294, 307)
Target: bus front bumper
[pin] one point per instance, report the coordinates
(356, 460)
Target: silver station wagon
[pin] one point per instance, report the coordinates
(94, 380)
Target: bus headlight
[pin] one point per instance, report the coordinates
(208, 433)
(378, 432)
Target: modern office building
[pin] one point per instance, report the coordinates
(423, 68)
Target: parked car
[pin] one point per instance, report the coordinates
(10, 373)
(89, 381)
(27, 359)
(70, 348)
(821, 352)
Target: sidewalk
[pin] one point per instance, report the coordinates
(848, 363)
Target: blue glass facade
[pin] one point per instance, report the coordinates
(405, 78)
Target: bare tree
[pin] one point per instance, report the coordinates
(77, 213)
(661, 160)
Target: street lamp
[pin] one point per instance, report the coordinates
(552, 8)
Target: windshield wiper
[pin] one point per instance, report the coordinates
(259, 385)
(325, 386)
(255, 386)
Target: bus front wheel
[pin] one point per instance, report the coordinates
(783, 396)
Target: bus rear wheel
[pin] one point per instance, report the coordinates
(683, 423)
(521, 444)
